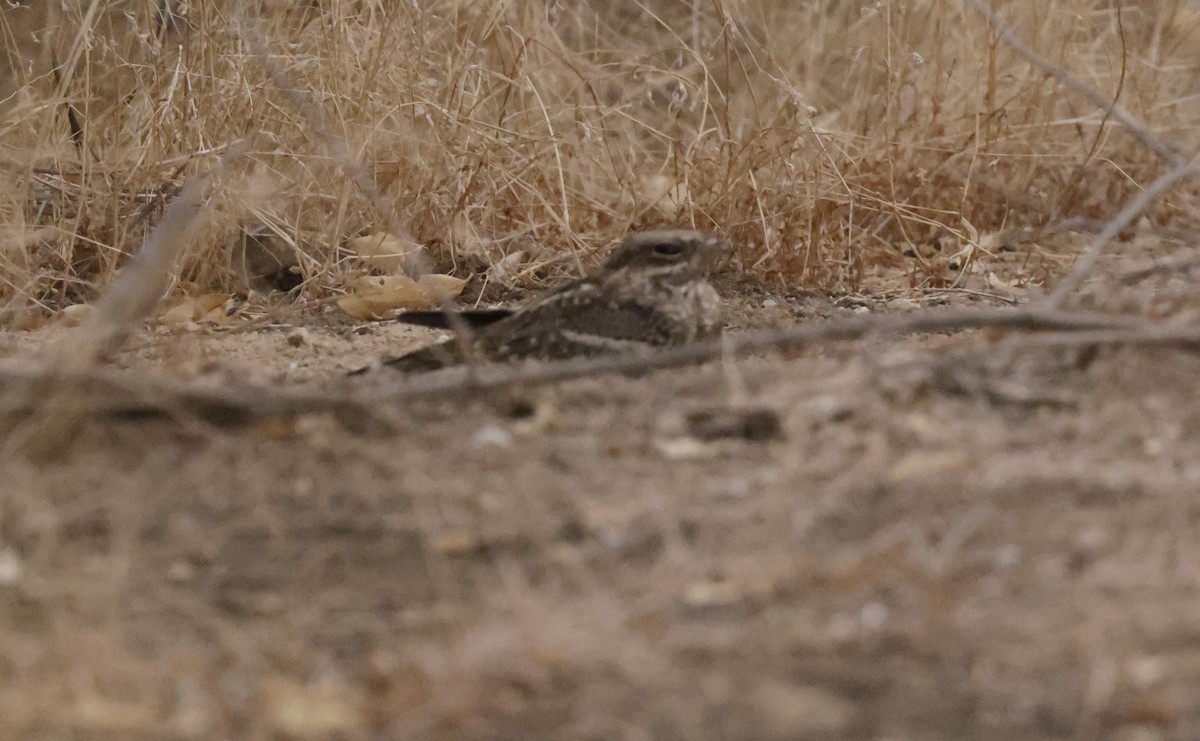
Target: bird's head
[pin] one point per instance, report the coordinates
(682, 251)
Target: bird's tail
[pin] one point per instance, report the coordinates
(474, 318)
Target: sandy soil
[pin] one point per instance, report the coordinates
(946, 538)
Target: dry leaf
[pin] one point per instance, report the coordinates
(358, 307)
(74, 314)
(441, 287)
(372, 297)
(667, 195)
(996, 283)
(208, 307)
(384, 251)
(181, 313)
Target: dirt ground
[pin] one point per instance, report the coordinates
(947, 537)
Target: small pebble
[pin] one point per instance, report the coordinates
(874, 615)
(11, 569)
(492, 436)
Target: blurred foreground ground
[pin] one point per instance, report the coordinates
(955, 537)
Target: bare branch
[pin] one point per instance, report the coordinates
(1180, 336)
(337, 148)
(1180, 168)
(1126, 216)
(142, 281)
(1168, 153)
(334, 144)
(136, 290)
(122, 393)
(459, 380)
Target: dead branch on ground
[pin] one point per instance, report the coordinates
(138, 396)
(1032, 319)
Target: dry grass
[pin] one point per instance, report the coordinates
(296, 581)
(824, 138)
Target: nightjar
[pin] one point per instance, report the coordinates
(653, 291)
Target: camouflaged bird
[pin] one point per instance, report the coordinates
(652, 292)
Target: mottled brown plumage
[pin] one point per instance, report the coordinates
(653, 291)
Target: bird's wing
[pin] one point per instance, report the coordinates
(582, 320)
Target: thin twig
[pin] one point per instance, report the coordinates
(336, 145)
(144, 278)
(1179, 336)
(136, 290)
(1126, 216)
(122, 393)
(1175, 264)
(1168, 153)
(1180, 168)
(835, 330)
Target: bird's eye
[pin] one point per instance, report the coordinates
(669, 249)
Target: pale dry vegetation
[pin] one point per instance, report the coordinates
(937, 537)
(827, 139)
